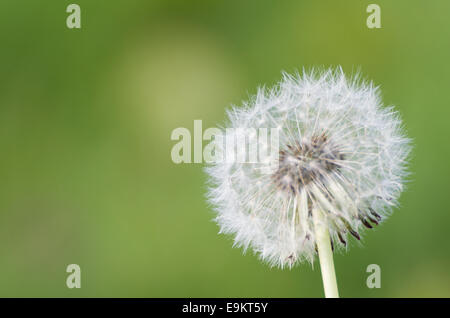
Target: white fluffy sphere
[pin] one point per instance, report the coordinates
(341, 153)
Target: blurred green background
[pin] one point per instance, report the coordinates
(85, 123)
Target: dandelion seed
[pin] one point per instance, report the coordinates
(340, 168)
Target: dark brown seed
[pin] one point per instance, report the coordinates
(372, 220)
(355, 234)
(342, 239)
(375, 214)
(366, 224)
(332, 244)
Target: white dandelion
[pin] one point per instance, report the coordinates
(340, 167)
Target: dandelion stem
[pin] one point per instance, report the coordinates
(325, 255)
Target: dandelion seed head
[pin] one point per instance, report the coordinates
(341, 153)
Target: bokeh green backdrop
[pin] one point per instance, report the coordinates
(86, 115)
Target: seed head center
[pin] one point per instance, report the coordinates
(310, 159)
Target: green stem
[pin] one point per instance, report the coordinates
(325, 255)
